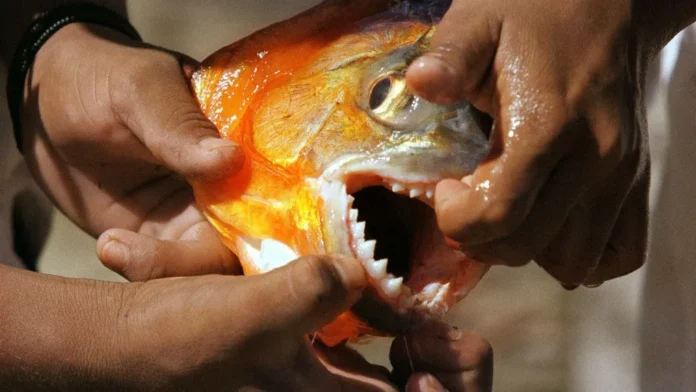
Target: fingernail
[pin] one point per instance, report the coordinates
(214, 143)
(429, 383)
(450, 333)
(433, 79)
(113, 251)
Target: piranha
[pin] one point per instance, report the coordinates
(342, 159)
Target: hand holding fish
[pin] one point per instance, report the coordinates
(112, 139)
(566, 182)
(212, 333)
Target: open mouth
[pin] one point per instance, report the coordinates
(392, 228)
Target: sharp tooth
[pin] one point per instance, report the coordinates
(358, 229)
(353, 214)
(429, 193)
(366, 250)
(396, 187)
(392, 287)
(415, 192)
(351, 199)
(377, 269)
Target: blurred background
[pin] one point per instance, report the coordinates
(544, 337)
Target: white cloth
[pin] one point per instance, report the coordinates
(668, 327)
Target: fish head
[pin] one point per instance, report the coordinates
(342, 159)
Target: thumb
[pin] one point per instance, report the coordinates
(164, 114)
(308, 293)
(461, 51)
(139, 257)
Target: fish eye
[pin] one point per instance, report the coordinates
(380, 92)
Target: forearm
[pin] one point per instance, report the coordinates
(15, 17)
(58, 333)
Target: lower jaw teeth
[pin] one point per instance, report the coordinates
(377, 269)
(392, 286)
(366, 249)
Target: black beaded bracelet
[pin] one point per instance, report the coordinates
(40, 30)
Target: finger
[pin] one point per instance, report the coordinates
(352, 370)
(307, 293)
(304, 372)
(139, 257)
(550, 212)
(504, 188)
(461, 51)
(576, 251)
(460, 360)
(159, 107)
(422, 382)
(467, 381)
(626, 249)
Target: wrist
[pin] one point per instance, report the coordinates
(35, 38)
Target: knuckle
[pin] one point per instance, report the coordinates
(131, 80)
(502, 217)
(149, 265)
(128, 81)
(186, 117)
(482, 353)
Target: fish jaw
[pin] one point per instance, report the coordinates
(438, 276)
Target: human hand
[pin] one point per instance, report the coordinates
(223, 332)
(566, 183)
(112, 133)
(441, 356)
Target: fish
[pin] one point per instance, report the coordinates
(342, 159)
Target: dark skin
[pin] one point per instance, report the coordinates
(207, 332)
(112, 133)
(566, 183)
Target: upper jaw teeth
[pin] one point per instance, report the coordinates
(415, 191)
(390, 286)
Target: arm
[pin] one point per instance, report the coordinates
(208, 333)
(58, 333)
(71, 334)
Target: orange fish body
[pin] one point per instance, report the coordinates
(306, 99)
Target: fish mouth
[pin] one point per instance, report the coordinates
(390, 225)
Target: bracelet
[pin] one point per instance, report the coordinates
(36, 35)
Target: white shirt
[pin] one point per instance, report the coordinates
(668, 324)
